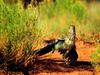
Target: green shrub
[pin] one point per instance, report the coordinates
(61, 14)
(17, 32)
(96, 59)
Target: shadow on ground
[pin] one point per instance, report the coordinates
(51, 65)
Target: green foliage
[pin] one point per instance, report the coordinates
(10, 1)
(96, 55)
(60, 15)
(79, 10)
(17, 31)
(96, 59)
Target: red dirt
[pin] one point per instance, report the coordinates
(52, 63)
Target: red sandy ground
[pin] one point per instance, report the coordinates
(52, 63)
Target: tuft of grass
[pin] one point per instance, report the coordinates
(96, 59)
(17, 33)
